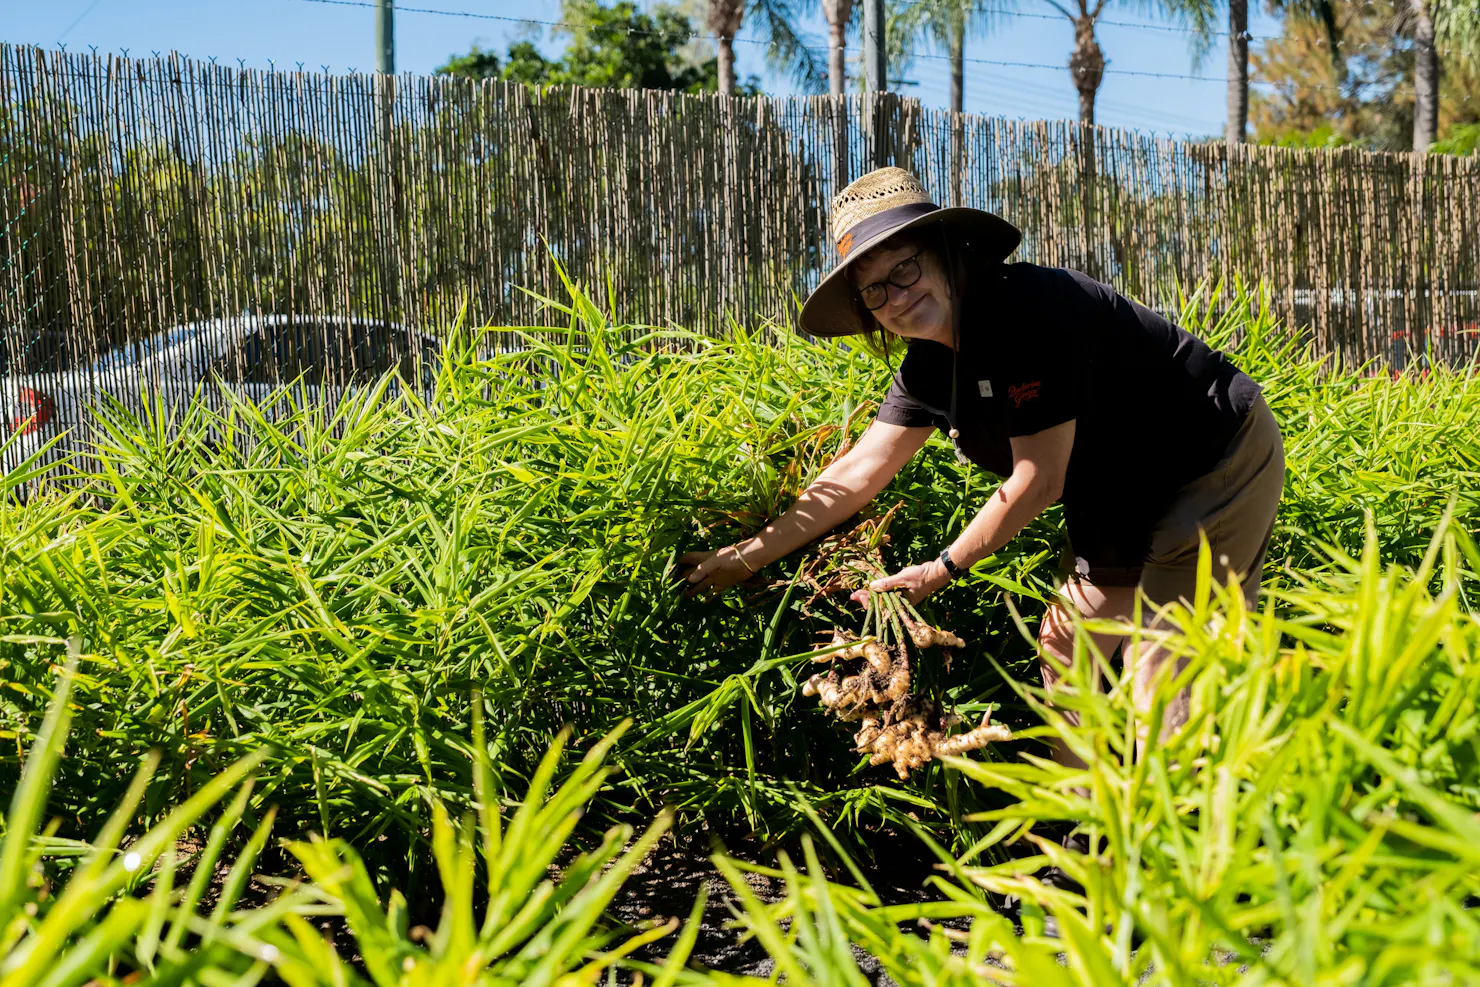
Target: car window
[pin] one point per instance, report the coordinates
(299, 351)
(243, 362)
(281, 353)
(327, 352)
(324, 352)
(380, 348)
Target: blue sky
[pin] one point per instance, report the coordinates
(261, 32)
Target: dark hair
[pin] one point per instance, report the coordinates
(928, 239)
(876, 339)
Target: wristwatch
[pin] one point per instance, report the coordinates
(945, 559)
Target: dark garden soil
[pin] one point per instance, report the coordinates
(668, 883)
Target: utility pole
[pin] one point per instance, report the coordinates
(874, 68)
(389, 158)
(875, 80)
(385, 37)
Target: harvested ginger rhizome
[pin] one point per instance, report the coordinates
(869, 678)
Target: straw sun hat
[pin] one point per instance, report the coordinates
(871, 210)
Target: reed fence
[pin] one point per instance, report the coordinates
(141, 194)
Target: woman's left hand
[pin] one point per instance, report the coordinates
(916, 582)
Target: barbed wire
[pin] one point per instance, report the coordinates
(1099, 21)
(1062, 100)
(1110, 68)
(1143, 26)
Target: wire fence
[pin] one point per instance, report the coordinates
(267, 224)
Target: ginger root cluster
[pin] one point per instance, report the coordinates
(869, 678)
(869, 681)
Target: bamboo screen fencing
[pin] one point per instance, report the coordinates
(136, 195)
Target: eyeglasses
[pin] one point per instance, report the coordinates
(902, 275)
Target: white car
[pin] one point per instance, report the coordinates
(252, 355)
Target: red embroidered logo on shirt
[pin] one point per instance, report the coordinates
(1023, 392)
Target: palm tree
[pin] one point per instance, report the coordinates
(948, 23)
(1201, 17)
(1454, 24)
(1236, 125)
(786, 49)
(1087, 63)
(838, 13)
(724, 20)
(1425, 76)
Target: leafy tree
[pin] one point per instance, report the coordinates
(607, 47)
(525, 64)
(476, 64)
(1462, 139)
(1368, 96)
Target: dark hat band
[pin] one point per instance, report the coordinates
(866, 230)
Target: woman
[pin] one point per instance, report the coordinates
(1067, 389)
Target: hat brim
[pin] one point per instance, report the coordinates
(830, 309)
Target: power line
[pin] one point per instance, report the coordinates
(1147, 116)
(1063, 103)
(695, 36)
(1143, 26)
(690, 36)
(1099, 22)
(80, 18)
(1064, 68)
(1110, 69)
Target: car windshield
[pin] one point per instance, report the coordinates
(137, 352)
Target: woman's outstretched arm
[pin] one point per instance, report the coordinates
(1040, 464)
(837, 493)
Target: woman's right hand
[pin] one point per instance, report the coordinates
(842, 488)
(714, 572)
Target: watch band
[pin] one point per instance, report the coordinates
(951, 567)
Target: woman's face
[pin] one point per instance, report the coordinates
(921, 311)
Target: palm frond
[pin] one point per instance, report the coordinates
(787, 50)
(1322, 12)
(1201, 17)
(940, 21)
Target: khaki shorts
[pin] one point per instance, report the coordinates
(1234, 504)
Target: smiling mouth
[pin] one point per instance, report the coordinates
(913, 304)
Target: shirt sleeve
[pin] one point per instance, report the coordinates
(901, 408)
